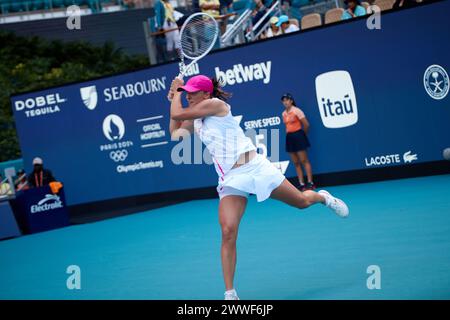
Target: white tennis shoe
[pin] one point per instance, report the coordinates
(231, 295)
(335, 204)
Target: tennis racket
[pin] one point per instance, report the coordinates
(198, 35)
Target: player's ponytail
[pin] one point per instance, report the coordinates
(218, 91)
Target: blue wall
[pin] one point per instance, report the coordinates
(395, 114)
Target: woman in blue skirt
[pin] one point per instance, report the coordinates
(297, 142)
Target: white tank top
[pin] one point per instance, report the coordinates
(224, 139)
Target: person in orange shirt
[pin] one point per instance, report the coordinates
(297, 142)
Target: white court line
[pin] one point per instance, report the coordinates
(148, 119)
(154, 144)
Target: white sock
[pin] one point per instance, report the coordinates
(327, 199)
(231, 291)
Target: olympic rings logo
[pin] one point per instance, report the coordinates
(119, 155)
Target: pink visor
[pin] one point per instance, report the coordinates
(198, 83)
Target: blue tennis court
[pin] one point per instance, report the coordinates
(402, 226)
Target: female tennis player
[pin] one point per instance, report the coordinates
(242, 171)
(297, 141)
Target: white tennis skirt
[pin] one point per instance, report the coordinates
(258, 176)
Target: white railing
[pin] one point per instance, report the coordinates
(237, 29)
(275, 9)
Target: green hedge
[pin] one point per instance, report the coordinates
(32, 63)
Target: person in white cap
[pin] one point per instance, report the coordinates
(40, 176)
(273, 30)
(241, 170)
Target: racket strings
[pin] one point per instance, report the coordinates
(198, 36)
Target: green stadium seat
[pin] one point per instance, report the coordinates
(94, 5)
(57, 3)
(81, 2)
(38, 5)
(4, 6)
(27, 5)
(16, 6)
(75, 2)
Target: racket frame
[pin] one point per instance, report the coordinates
(182, 55)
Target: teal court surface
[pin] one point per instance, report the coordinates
(401, 226)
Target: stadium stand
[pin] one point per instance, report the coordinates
(384, 4)
(333, 15)
(238, 23)
(311, 20)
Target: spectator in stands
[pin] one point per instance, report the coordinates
(354, 9)
(266, 3)
(129, 4)
(165, 21)
(139, 4)
(273, 30)
(404, 4)
(40, 176)
(211, 7)
(286, 25)
(5, 188)
(239, 6)
(294, 8)
(285, 4)
(225, 8)
(195, 6)
(258, 12)
(21, 181)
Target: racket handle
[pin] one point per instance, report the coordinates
(179, 76)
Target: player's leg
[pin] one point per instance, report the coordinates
(304, 160)
(287, 193)
(231, 210)
(298, 168)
